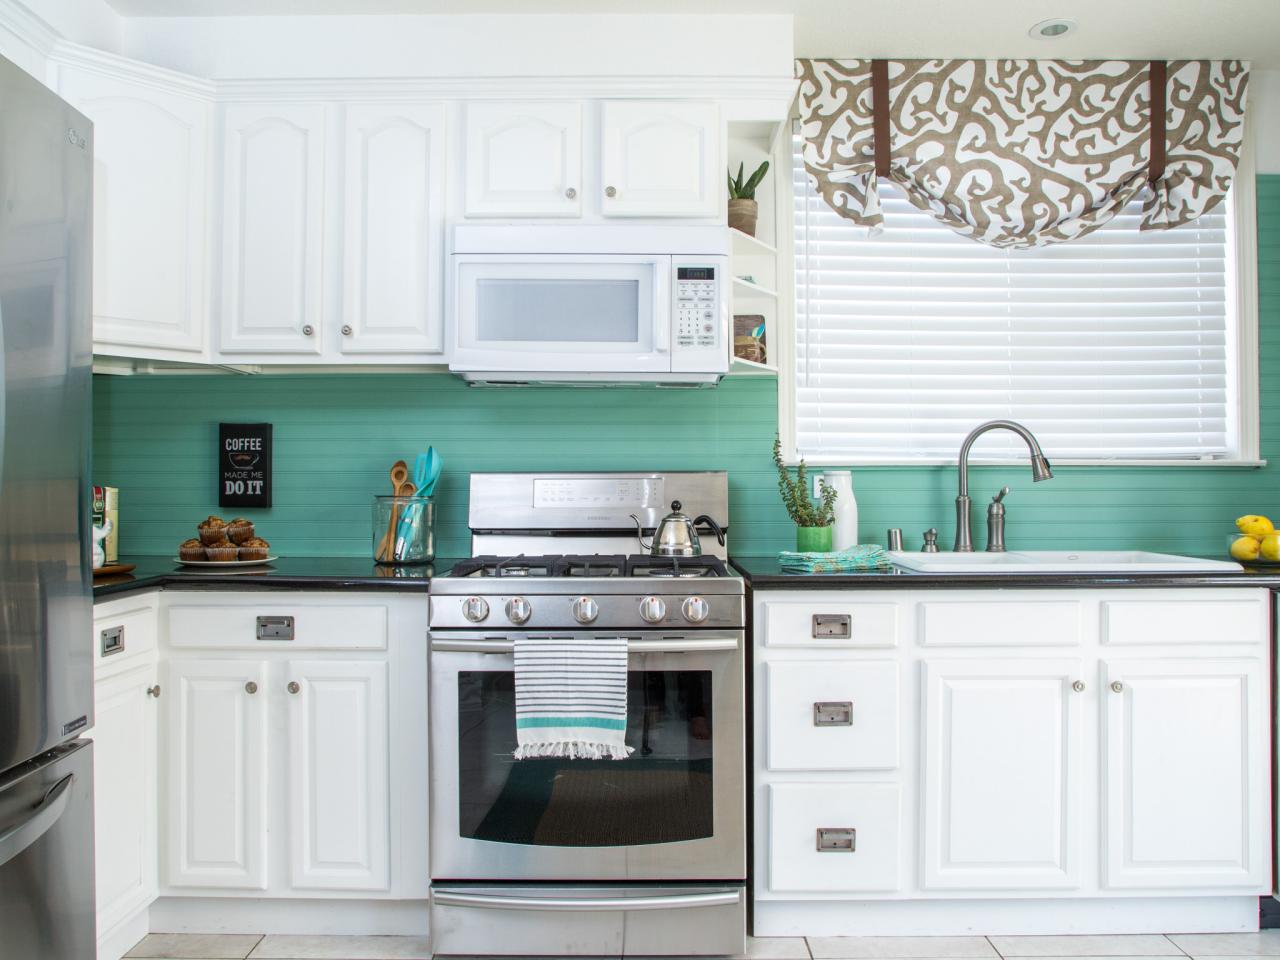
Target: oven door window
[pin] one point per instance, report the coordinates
(661, 794)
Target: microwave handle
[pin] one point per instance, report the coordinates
(662, 311)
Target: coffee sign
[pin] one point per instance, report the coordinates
(244, 464)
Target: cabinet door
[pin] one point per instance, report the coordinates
(272, 228)
(150, 192)
(1001, 774)
(524, 159)
(339, 773)
(1187, 774)
(660, 159)
(124, 793)
(215, 754)
(394, 215)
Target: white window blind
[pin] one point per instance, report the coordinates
(1120, 345)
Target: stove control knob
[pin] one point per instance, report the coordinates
(585, 610)
(695, 609)
(653, 610)
(475, 609)
(518, 610)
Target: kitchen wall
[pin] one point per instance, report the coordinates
(335, 437)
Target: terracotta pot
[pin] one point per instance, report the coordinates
(813, 539)
(742, 216)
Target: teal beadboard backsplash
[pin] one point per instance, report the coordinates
(337, 435)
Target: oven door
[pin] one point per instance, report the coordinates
(560, 313)
(674, 810)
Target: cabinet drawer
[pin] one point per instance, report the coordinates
(1000, 623)
(1186, 619)
(867, 861)
(122, 631)
(832, 715)
(807, 623)
(329, 627)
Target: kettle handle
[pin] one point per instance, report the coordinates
(640, 534)
(715, 527)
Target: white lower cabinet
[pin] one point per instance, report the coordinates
(1186, 785)
(834, 837)
(1001, 774)
(216, 797)
(124, 789)
(339, 831)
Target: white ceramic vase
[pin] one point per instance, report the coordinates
(844, 533)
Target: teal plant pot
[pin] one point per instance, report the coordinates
(813, 539)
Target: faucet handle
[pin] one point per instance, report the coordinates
(1004, 492)
(930, 541)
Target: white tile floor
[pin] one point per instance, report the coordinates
(1211, 946)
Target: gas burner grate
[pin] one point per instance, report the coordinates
(551, 565)
(642, 565)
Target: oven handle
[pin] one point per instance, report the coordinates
(448, 898)
(443, 645)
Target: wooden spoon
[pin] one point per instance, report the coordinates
(399, 474)
(387, 543)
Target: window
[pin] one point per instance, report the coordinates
(1120, 346)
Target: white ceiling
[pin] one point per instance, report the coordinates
(1124, 29)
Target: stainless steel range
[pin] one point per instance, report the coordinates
(642, 856)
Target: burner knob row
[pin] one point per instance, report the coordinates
(585, 610)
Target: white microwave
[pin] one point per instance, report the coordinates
(589, 304)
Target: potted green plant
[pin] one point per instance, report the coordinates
(743, 208)
(813, 519)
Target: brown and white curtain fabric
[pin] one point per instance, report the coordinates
(1023, 153)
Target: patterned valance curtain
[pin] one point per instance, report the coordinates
(1023, 153)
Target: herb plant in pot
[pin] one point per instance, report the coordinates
(814, 520)
(743, 208)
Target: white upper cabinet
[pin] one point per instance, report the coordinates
(523, 159)
(150, 191)
(660, 158)
(1186, 798)
(394, 229)
(1001, 774)
(272, 228)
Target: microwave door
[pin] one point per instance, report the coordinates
(562, 313)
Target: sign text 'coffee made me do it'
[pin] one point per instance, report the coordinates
(244, 464)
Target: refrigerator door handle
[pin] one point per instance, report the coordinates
(16, 839)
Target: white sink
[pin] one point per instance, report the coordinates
(1058, 561)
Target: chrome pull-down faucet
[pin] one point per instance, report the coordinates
(1039, 471)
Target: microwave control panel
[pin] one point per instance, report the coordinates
(697, 323)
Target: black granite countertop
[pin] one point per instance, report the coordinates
(287, 573)
(764, 573)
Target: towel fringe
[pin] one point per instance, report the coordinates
(572, 750)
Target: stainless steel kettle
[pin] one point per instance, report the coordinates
(677, 535)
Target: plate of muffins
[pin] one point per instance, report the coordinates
(224, 542)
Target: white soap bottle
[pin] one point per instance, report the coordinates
(844, 533)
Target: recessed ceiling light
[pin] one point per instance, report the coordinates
(1052, 29)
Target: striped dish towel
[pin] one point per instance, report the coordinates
(571, 698)
(865, 557)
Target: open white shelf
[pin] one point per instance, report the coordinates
(745, 245)
(747, 289)
(749, 368)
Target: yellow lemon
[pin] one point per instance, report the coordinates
(1255, 525)
(1246, 548)
(1271, 547)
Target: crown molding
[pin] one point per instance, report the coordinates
(66, 53)
(29, 28)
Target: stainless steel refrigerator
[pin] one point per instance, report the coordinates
(46, 665)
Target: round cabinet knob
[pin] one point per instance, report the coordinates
(519, 610)
(293, 686)
(652, 610)
(1078, 686)
(695, 609)
(475, 609)
(1117, 686)
(571, 193)
(585, 610)
(250, 687)
(610, 192)
(346, 329)
(154, 691)
(308, 330)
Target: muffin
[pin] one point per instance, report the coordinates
(224, 551)
(239, 530)
(212, 530)
(191, 549)
(254, 548)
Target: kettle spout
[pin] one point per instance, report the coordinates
(646, 547)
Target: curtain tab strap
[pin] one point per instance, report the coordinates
(1159, 75)
(880, 114)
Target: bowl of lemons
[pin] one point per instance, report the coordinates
(1256, 541)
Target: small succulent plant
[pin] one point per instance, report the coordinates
(795, 493)
(740, 189)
